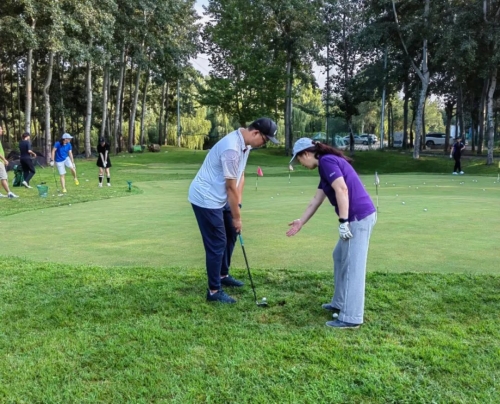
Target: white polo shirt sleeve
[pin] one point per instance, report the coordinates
(230, 160)
(226, 160)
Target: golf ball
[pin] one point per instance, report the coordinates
(70, 204)
(278, 194)
(403, 203)
(425, 210)
(264, 299)
(272, 197)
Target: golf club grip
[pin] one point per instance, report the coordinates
(248, 267)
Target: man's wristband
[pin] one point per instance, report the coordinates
(239, 205)
(343, 220)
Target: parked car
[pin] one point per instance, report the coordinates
(369, 138)
(436, 139)
(357, 140)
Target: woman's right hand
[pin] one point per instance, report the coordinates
(296, 225)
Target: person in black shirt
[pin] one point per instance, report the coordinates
(26, 162)
(103, 161)
(456, 153)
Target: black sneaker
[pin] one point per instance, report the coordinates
(220, 296)
(341, 324)
(230, 281)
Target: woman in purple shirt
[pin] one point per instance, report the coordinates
(357, 216)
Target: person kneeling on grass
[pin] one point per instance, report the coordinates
(63, 157)
(357, 216)
(103, 161)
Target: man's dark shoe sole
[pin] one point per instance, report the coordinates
(342, 325)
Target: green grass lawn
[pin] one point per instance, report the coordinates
(102, 290)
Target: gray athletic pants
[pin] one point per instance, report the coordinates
(349, 271)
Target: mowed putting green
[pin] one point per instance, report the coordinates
(426, 223)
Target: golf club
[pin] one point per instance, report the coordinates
(263, 302)
(55, 181)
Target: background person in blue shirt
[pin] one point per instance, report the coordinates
(63, 156)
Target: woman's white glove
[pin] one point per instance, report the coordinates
(345, 231)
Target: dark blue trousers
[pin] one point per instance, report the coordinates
(219, 237)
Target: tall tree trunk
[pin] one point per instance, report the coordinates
(4, 118)
(88, 115)
(46, 98)
(34, 133)
(118, 108)
(423, 74)
(288, 105)
(422, 140)
(105, 100)
(420, 111)
(12, 108)
(390, 124)
(61, 97)
(143, 107)
(412, 142)
(133, 111)
(29, 95)
(449, 116)
(122, 108)
(484, 95)
(490, 115)
(405, 113)
(165, 119)
(460, 118)
(160, 117)
(18, 101)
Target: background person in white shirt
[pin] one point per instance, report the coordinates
(215, 194)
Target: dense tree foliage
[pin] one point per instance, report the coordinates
(121, 69)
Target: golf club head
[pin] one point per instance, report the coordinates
(261, 303)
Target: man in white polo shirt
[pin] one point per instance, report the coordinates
(215, 195)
